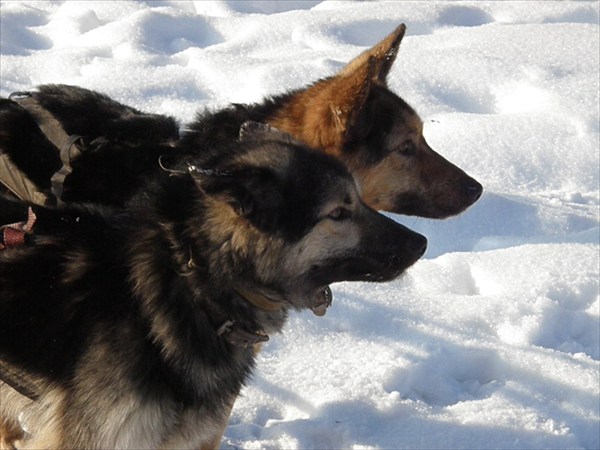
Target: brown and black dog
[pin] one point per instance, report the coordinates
(351, 115)
(138, 329)
(354, 116)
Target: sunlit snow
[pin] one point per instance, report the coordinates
(492, 340)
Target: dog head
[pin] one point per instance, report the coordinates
(379, 137)
(287, 221)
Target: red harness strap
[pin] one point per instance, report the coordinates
(13, 235)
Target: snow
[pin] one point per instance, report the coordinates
(492, 340)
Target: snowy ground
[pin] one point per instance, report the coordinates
(491, 341)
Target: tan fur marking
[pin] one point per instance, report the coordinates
(381, 182)
(234, 235)
(12, 407)
(394, 174)
(317, 245)
(320, 115)
(10, 433)
(215, 442)
(43, 421)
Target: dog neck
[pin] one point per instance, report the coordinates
(239, 336)
(256, 299)
(230, 330)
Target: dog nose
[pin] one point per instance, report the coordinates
(418, 245)
(472, 190)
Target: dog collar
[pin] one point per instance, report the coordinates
(238, 336)
(266, 304)
(260, 301)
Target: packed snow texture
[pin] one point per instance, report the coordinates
(491, 341)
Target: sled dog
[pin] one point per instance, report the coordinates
(134, 327)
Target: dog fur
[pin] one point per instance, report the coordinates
(137, 324)
(351, 115)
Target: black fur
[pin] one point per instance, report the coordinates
(27, 146)
(92, 114)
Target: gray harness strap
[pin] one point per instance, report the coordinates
(19, 381)
(68, 152)
(49, 125)
(18, 183)
(56, 134)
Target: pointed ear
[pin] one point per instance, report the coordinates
(350, 95)
(254, 193)
(384, 53)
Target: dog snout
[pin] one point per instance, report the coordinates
(472, 190)
(418, 245)
(411, 245)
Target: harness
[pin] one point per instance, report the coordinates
(18, 183)
(69, 146)
(19, 381)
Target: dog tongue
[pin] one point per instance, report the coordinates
(322, 302)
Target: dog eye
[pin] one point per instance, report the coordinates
(408, 148)
(339, 214)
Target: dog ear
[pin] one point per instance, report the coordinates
(322, 114)
(350, 95)
(254, 193)
(384, 53)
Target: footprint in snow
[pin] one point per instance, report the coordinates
(449, 376)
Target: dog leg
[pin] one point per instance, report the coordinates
(215, 442)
